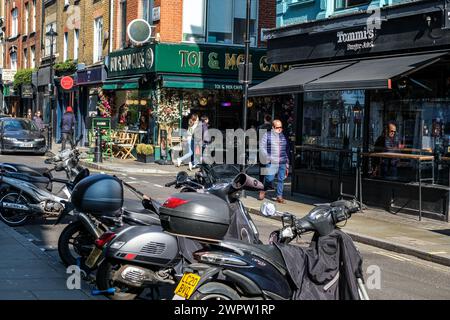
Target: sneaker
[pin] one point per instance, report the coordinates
(178, 162)
(190, 166)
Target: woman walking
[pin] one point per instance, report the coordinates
(193, 123)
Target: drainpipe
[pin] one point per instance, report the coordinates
(111, 25)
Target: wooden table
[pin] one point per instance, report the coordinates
(417, 157)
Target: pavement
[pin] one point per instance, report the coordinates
(427, 239)
(28, 273)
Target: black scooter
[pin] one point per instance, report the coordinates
(233, 270)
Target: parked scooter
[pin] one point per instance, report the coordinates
(147, 257)
(25, 194)
(231, 270)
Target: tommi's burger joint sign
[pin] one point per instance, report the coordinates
(208, 60)
(357, 40)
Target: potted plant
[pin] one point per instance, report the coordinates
(145, 153)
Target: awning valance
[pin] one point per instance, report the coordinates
(121, 84)
(373, 73)
(193, 82)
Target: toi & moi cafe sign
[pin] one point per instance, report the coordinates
(194, 59)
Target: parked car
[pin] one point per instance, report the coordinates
(21, 135)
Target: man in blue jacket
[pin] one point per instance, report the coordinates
(274, 148)
(68, 123)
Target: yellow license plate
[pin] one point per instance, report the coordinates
(187, 285)
(93, 257)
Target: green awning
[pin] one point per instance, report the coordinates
(190, 82)
(121, 84)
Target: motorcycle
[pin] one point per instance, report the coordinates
(26, 192)
(138, 257)
(329, 269)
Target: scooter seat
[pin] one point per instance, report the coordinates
(269, 253)
(147, 218)
(28, 178)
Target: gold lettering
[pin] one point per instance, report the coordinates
(213, 60)
(183, 54)
(193, 59)
(230, 61)
(274, 68)
(263, 64)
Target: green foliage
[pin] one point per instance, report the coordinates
(146, 149)
(65, 68)
(22, 76)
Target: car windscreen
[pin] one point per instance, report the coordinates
(19, 124)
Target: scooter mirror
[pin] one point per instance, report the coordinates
(182, 177)
(268, 209)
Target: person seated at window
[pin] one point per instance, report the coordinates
(388, 142)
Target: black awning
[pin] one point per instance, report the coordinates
(374, 73)
(293, 80)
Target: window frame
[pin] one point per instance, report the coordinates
(66, 46)
(33, 56)
(25, 58)
(33, 29)
(76, 43)
(14, 22)
(98, 40)
(27, 17)
(11, 55)
(346, 7)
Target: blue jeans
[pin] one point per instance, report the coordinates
(268, 180)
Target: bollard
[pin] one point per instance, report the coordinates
(98, 146)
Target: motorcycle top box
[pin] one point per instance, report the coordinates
(195, 215)
(98, 194)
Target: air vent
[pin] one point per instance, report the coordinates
(155, 248)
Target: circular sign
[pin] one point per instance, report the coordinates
(139, 31)
(67, 83)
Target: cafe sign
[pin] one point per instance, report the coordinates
(356, 40)
(131, 61)
(212, 60)
(196, 59)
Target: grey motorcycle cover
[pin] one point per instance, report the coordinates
(326, 270)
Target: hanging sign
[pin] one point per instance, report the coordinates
(67, 83)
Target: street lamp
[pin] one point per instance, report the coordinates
(246, 76)
(51, 34)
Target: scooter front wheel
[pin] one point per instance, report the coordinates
(13, 218)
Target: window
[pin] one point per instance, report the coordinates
(343, 4)
(66, 46)
(25, 58)
(33, 26)
(218, 21)
(76, 34)
(123, 23)
(48, 39)
(98, 39)
(33, 57)
(147, 11)
(13, 56)
(14, 22)
(27, 17)
(194, 20)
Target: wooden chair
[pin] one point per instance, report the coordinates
(127, 147)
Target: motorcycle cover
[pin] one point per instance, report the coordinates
(327, 270)
(240, 226)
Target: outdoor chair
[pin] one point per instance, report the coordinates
(128, 146)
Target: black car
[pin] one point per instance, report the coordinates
(21, 135)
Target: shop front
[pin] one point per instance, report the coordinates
(375, 98)
(166, 83)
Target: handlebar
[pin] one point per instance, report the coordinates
(168, 185)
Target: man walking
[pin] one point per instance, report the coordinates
(274, 149)
(68, 123)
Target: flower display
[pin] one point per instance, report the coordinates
(167, 105)
(103, 104)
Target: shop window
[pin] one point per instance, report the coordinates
(343, 4)
(332, 120)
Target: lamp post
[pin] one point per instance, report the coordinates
(51, 34)
(246, 76)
